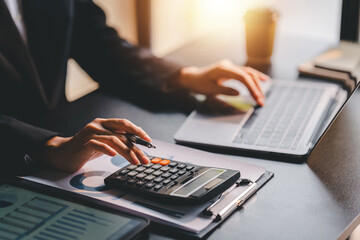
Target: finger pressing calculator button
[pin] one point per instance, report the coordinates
(132, 181)
(149, 171)
(166, 175)
(156, 166)
(157, 187)
(181, 166)
(164, 162)
(166, 181)
(140, 183)
(140, 169)
(173, 177)
(189, 168)
(158, 173)
(140, 175)
(132, 173)
(132, 167)
(123, 171)
(156, 160)
(174, 170)
(149, 178)
(182, 172)
(165, 168)
(149, 185)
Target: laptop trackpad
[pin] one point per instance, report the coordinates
(209, 128)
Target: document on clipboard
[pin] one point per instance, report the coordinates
(192, 220)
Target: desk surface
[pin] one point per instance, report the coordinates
(315, 200)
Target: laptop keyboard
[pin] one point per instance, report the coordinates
(282, 121)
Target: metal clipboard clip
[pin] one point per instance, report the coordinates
(221, 208)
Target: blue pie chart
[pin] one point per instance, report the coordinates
(92, 181)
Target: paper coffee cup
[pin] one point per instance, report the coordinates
(260, 24)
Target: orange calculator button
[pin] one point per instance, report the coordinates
(164, 162)
(156, 160)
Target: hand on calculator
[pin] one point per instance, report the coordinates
(101, 136)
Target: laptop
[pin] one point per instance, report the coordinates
(295, 116)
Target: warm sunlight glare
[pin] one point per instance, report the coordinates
(210, 14)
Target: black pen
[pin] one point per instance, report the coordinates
(135, 139)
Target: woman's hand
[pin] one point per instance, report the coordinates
(101, 136)
(208, 80)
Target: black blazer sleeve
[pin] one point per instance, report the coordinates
(127, 70)
(118, 65)
(17, 140)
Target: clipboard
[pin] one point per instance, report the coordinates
(249, 190)
(184, 220)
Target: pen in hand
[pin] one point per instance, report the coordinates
(137, 140)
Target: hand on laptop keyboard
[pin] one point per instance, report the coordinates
(207, 80)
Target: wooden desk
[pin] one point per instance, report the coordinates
(316, 200)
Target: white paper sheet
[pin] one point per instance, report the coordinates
(89, 181)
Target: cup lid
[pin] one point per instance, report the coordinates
(260, 15)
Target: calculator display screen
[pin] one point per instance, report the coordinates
(192, 186)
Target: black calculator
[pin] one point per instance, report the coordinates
(172, 180)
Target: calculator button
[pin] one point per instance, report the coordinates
(164, 162)
(132, 181)
(140, 169)
(172, 164)
(174, 170)
(156, 166)
(149, 185)
(122, 178)
(123, 171)
(132, 167)
(189, 168)
(132, 173)
(149, 171)
(148, 165)
(140, 183)
(149, 178)
(158, 179)
(157, 187)
(166, 181)
(171, 184)
(140, 175)
(165, 168)
(182, 172)
(166, 175)
(173, 177)
(158, 173)
(181, 166)
(156, 160)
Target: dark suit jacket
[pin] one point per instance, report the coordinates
(32, 76)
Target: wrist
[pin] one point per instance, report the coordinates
(54, 142)
(47, 153)
(186, 77)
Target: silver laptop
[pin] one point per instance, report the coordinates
(296, 114)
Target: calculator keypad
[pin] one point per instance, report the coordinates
(158, 174)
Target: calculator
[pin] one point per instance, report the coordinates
(173, 181)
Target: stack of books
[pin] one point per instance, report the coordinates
(340, 63)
